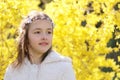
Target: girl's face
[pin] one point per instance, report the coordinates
(40, 36)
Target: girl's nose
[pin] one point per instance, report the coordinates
(44, 37)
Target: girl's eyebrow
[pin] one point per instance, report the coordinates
(49, 28)
(41, 29)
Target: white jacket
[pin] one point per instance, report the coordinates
(54, 67)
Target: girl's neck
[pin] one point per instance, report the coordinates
(35, 58)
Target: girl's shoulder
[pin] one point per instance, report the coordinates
(57, 57)
(58, 60)
(10, 68)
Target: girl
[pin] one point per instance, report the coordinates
(36, 60)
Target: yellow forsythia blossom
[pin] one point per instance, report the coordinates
(77, 35)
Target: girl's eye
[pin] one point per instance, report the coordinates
(37, 32)
(49, 32)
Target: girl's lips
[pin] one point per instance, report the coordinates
(43, 43)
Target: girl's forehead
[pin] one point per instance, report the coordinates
(43, 24)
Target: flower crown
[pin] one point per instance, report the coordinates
(29, 20)
(43, 17)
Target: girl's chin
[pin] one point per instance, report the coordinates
(44, 51)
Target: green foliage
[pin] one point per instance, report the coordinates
(11, 13)
(83, 29)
